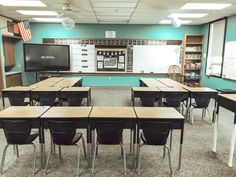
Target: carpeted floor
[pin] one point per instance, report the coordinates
(198, 160)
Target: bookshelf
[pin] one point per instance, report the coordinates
(192, 59)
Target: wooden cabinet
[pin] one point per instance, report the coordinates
(13, 80)
(8, 46)
(192, 59)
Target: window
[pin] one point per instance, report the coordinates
(215, 50)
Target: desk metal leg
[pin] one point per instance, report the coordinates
(181, 144)
(3, 101)
(180, 156)
(42, 155)
(135, 140)
(231, 154)
(89, 146)
(215, 119)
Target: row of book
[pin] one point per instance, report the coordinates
(194, 49)
(193, 66)
(191, 76)
(193, 56)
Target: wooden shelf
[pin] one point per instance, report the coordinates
(14, 37)
(192, 55)
(194, 43)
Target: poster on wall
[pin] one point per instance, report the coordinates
(110, 62)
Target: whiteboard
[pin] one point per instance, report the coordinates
(229, 64)
(156, 59)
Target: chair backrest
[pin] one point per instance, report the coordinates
(174, 99)
(16, 98)
(47, 99)
(109, 132)
(202, 99)
(62, 132)
(16, 131)
(74, 99)
(155, 133)
(147, 100)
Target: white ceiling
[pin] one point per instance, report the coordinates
(124, 11)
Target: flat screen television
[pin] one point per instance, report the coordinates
(46, 57)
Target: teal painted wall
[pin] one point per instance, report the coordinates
(47, 30)
(2, 59)
(215, 82)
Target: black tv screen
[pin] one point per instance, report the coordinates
(46, 57)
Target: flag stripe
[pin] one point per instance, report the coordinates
(25, 31)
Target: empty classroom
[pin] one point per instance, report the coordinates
(117, 88)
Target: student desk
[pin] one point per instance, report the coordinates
(227, 101)
(68, 82)
(194, 90)
(105, 113)
(163, 114)
(35, 92)
(84, 92)
(136, 92)
(48, 82)
(175, 90)
(151, 82)
(23, 89)
(77, 114)
(31, 113)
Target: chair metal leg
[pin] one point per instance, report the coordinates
(49, 155)
(94, 157)
(124, 157)
(3, 157)
(59, 149)
(78, 161)
(131, 141)
(139, 158)
(34, 159)
(171, 172)
(171, 132)
(17, 151)
(164, 152)
(191, 115)
(84, 148)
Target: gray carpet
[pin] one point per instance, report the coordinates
(198, 160)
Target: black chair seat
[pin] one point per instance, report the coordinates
(31, 138)
(198, 106)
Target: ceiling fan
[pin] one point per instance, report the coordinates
(67, 14)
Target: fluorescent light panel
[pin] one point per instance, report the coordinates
(186, 15)
(47, 19)
(22, 3)
(205, 6)
(169, 21)
(37, 12)
(114, 4)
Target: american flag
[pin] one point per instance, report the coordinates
(25, 30)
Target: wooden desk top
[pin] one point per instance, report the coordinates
(145, 89)
(112, 112)
(229, 96)
(173, 89)
(68, 112)
(48, 82)
(67, 82)
(75, 89)
(23, 111)
(157, 113)
(19, 88)
(47, 89)
(200, 89)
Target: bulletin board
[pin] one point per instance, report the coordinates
(111, 59)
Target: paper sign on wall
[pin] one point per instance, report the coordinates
(110, 34)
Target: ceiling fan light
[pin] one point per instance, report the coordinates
(68, 23)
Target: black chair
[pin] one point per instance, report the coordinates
(18, 132)
(109, 133)
(17, 98)
(154, 133)
(63, 133)
(47, 99)
(202, 101)
(147, 100)
(74, 99)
